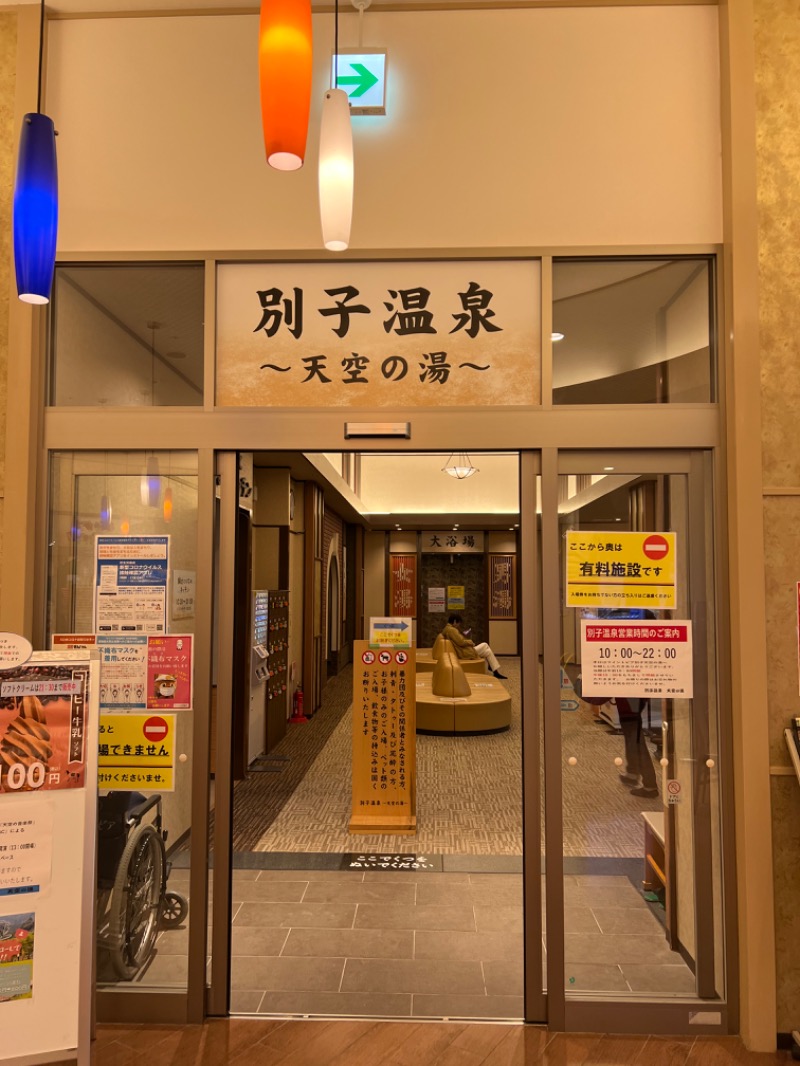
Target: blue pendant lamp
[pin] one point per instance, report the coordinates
(36, 201)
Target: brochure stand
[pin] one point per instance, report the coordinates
(49, 715)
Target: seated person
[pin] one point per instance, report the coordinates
(466, 649)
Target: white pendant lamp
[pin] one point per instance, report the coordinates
(459, 466)
(336, 163)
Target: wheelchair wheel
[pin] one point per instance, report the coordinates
(174, 908)
(136, 901)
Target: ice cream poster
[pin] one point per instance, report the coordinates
(169, 673)
(42, 729)
(16, 956)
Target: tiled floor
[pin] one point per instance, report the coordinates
(261, 1042)
(419, 944)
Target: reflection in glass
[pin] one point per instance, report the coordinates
(632, 331)
(143, 836)
(632, 863)
(127, 335)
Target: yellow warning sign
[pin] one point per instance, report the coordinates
(620, 569)
(137, 752)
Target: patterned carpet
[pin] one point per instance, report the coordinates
(469, 790)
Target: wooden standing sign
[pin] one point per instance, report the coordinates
(384, 740)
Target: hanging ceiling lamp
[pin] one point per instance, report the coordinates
(36, 200)
(150, 484)
(284, 67)
(336, 161)
(459, 465)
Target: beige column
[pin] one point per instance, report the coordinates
(740, 349)
(23, 385)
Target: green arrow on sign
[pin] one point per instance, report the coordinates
(363, 80)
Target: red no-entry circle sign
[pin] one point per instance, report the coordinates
(655, 546)
(155, 729)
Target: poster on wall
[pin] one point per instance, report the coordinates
(169, 672)
(16, 956)
(502, 586)
(403, 585)
(633, 658)
(381, 334)
(42, 729)
(26, 853)
(184, 585)
(606, 569)
(137, 752)
(123, 667)
(436, 601)
(130, 594)
(456, 599)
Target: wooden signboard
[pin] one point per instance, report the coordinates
(503, 586)
(384, 740)
(403, 585)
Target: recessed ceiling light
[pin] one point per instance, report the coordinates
(617, 519)
(608, 468)
(554, 336)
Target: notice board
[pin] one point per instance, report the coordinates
(384, 740)
(48, 823)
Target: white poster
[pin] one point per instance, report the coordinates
(631, 658)
(26, 854)
(131, 584)
(184, 583)
(436, 601)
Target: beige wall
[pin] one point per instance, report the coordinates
(462, 158)
(777, 42)
(8, 134)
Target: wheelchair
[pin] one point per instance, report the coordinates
(132, 870)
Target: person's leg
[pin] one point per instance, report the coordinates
(633, 771)
(646, 768)
(486, 653)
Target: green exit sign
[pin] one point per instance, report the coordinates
(362, 75)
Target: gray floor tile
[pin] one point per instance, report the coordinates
(268, 891)
(497, 880)
(300, 915)
(258, 940)
(435, 944)
(353, 1004)
(400, 876)
(504, 978)
(396, 916)
(286, 975)
(484, 894)
(165, 970)
(351, 943)
(582, 920)
(604, 881)
(174, 941)
(411, 975)
(627, 920)
(673, 980)
(588, 977)
(488, 863)
(348, 876)
(371, 892)
(504, 918)
(604, 948)
(467, 1007)
(578, 896)
(246, 1001)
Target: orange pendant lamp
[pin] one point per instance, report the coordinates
(284, 65)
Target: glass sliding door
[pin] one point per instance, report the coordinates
(635, 911)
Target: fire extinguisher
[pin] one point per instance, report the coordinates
(297, 706)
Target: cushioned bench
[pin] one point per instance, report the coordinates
(428, 657)
(449, 702)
